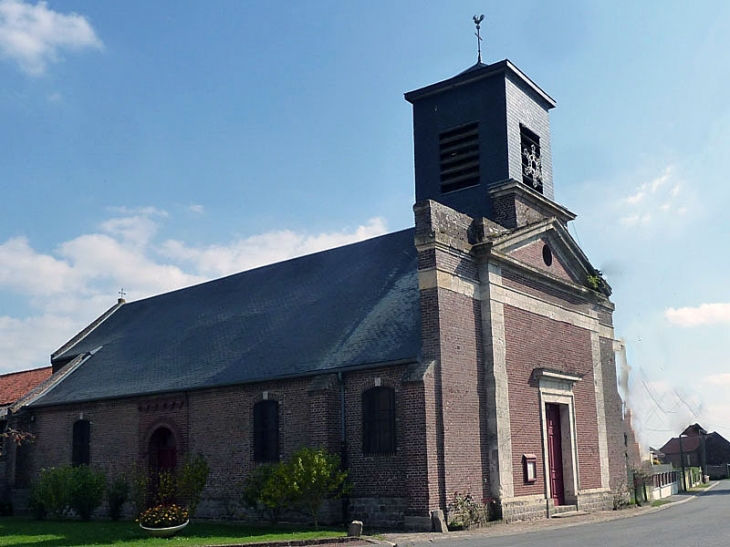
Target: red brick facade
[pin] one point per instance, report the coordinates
(452, 435)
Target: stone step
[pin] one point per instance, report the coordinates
(566, 511)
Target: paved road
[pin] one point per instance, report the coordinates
(701, 522)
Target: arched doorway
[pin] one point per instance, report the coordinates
(162, 452)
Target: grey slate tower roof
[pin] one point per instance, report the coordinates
(351, 307)
(467, 135)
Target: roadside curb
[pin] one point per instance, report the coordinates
(302, 542)
(691, 496)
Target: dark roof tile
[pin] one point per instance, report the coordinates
(349, 307)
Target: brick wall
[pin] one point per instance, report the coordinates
(532, 342)
(532, 254)
(451, 332)
(218, 424)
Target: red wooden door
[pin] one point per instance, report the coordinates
(163, 452)
(555, 453)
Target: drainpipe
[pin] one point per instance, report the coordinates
(343, 443)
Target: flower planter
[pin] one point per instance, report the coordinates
(165, 532)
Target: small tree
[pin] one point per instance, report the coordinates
(268, 491)
(315, 475)
(191, 481)
(86, 490)
(117, 494)
(140, 482)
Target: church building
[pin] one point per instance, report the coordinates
(471, 353)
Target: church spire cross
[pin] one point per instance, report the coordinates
(122, 294)
(477, 21)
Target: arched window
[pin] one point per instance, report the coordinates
(378, 421)
(266, 431)
(81, 448)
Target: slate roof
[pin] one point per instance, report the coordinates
(345, 308)
(16, 384)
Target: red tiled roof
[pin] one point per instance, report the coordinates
(16, 384)
(689, 444)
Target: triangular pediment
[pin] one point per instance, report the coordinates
(547, 247)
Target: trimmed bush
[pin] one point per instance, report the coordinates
(191, 480)
(117, 494)
(87, 490)
(61, 491)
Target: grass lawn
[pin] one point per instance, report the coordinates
(21, 532)
(659, 503)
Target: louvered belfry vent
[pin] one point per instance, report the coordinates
(459, 157)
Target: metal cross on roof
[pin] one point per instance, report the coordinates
(477, 20)
(122, 294)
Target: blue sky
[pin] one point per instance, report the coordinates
(152, 145)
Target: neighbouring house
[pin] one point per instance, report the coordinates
(473, 352)
(695, 447)
(13, 387)
(664, 481)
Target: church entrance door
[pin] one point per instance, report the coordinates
(162, 451)
(555, 453)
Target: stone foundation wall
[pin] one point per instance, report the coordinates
(527, 508)
(379, 512)
(595, 501)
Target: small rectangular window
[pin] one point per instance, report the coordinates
(459, 157)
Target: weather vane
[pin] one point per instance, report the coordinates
(477, 20)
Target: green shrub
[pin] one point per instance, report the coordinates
(37, 508)
(191, 481)
(304, 482)
(6, 509)
(140, 483)
(466, 512)
(62, 490)
(267, 490)
(87, 490)
(117, 494)
(166, 490)
(51, 494)
(315, 475)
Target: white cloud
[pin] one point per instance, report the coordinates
(24, 271)
(704, 314)
(33, 35)
(254, 251)
(717, 380)
(136, 230)
(67, 289)
(635, 220)
(652, 200)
